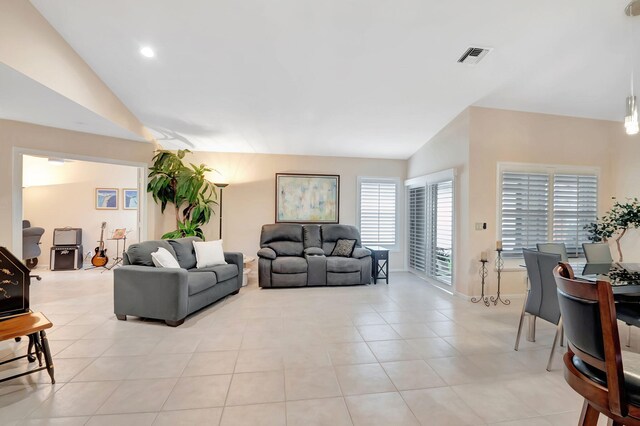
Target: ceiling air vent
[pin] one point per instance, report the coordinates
(473, 55)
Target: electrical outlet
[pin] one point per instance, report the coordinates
(481, 226)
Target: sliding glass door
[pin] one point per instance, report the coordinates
(430, 229)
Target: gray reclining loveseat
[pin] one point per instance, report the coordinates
(294, 255)
(170, 294)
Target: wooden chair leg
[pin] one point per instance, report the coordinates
(589, 415)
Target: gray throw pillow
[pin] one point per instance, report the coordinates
(344, 247)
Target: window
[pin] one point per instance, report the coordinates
(377, 211)
(546, 206)
(430, 205)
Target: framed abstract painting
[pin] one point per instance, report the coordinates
(307, 198)
(130, 199)
(106, 198)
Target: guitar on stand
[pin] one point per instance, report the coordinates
(100, 259)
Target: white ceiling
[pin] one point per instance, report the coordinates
(23, 99)
(374, 78)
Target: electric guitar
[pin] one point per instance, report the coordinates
(100, 258)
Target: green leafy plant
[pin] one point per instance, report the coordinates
(616, 222)
(186, 188)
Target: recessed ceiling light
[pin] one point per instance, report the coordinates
(147, 52)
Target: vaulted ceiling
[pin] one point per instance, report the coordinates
(372, 78)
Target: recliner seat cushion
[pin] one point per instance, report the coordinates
(223, 272)
(140, 253)
(343, 264)
(183, 249)
(200, 281)
(289, 265)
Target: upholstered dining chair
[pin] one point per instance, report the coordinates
(595, 366)
(597, 252)
(541, 300)
(555, 248)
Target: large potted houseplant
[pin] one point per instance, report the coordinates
(192, 195)
(615, 223)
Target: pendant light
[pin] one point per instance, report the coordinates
(631, 118)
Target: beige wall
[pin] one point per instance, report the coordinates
(16, 136)
(450, 149)
(249, 200)
(71, 189)
(30, 45)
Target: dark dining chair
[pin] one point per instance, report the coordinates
(541, 300)
(555, 248)
(594, 362)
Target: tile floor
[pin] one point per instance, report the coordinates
(403, 354)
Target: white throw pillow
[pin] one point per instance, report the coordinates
(164, 259)
(208, 253)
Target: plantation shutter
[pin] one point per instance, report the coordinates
(575, 204)
(378, 212)
(417, 229)
(440, 231)
(525, 211)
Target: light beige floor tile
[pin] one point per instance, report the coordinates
(440, 406)
(545, 396)
(415, 374)
(20, 400)
(85, 348)
(56, 421)
(458, 370)
(201, 416)
(67, 332)
(76, 399)
(413, 331)
(369, 318)
(363, 378)
(109, 368)
(350, 353)
(536, 421)
(208, 363)
(161, 366)
(132, 346)
(318, 412)
(393, 350)
(306, 357)
(340, 334)
(400, 317)
(138, 396)
(220, 342)
(259, 360)
(447, 328)
(177, 345)
(377, 332)
(381, 409)
(198, 392)
(139, 419)
(272, 414)
(256, 388)
(493, 402)
(433, 347)
(308, 383)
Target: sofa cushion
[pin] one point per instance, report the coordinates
(312, 236)
(289, 265)
(332, 233)
(280, 232)
(223, 272)
(140, 253)
(343, 264)
(200, 281)
(287, 248)
(183, 248)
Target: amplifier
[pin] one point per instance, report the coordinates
(67, 236)
(66, 258)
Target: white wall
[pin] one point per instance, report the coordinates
(249, 200)
(60, 196)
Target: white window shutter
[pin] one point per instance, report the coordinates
(378, 212)
(417, 229)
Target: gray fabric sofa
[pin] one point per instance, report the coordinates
(170, 294)
(293, 255)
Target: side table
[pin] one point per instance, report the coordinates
(379, 263)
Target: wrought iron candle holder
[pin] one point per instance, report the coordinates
(483, 275)
(499, 268)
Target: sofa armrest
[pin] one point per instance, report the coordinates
(150, 292)
(236, 258)
(314, 251)
(360, 252)
(267, 253)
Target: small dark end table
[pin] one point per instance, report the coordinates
(379, 263)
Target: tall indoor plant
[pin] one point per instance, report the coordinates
(616, 222)
(186, 187)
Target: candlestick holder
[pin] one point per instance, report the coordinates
(483, 275)
(499, 268)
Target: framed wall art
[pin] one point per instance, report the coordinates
(307, 198)
(106, 198)
(130, 199)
